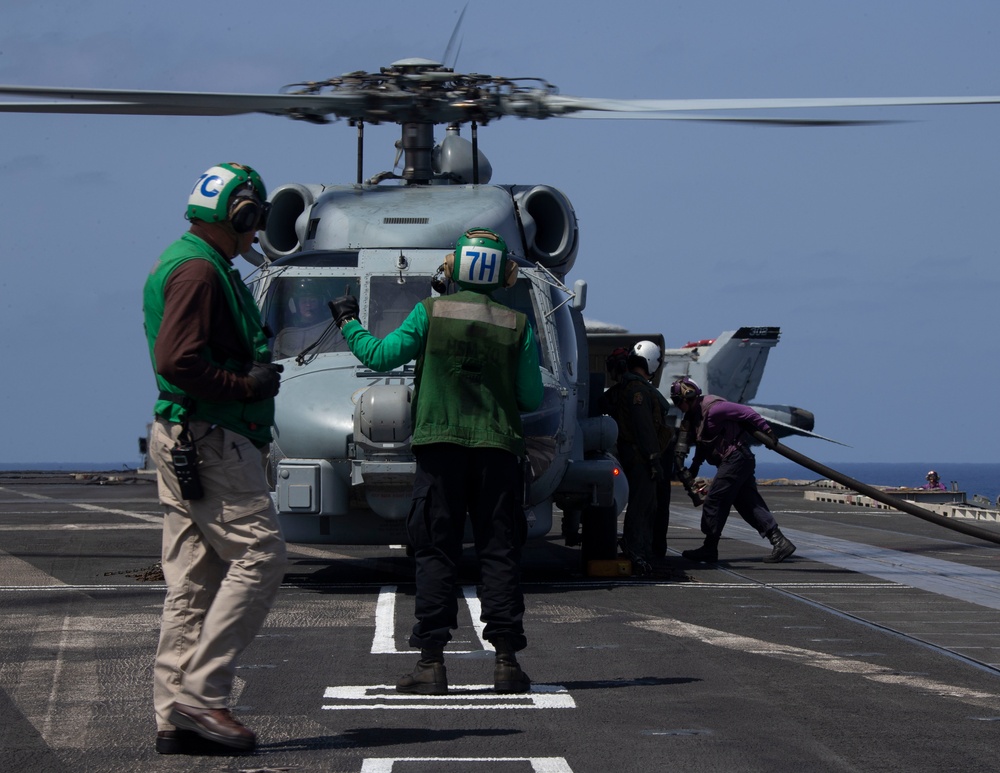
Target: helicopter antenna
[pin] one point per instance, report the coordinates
(361, 149)
(450, 58)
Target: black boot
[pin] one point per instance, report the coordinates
(640, 566)
(706, 554)
(783, 547)
(507, 674)
(429, 677)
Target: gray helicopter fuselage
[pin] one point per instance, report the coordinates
(341, 463)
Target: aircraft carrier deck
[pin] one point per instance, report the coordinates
(875, 648)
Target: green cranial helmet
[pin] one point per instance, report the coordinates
(480, 261)
(212, 195)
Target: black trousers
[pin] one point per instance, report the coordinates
(641, 512)
(486, 484)
(661, 519)
(735, 485)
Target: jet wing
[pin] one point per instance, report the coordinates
(784, 430)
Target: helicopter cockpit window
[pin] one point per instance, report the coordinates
(391, 302)
(296, 311)
(519, 297)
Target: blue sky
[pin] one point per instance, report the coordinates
(873, 248)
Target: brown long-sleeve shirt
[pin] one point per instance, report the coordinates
(196, 315)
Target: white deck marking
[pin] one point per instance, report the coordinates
(538, 764)
(385, 622)
(93, 508)
(946, 578)
(815, 659)
(384, 642)
(476, 610)
(463, 697)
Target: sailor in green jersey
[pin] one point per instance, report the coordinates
(476, 371)
(223, 554)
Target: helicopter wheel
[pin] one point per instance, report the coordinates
(600, 535)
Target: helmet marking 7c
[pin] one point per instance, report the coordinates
(684, 389)
(647, 354)
(480, 262)
(231, 193)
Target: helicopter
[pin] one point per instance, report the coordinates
(340, 463)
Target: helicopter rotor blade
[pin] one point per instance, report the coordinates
(756, 120)
(423, 92)
(454, 47)
(110, 108)
(556, 101)
(116, 101)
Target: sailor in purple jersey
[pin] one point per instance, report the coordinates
(717, 429)
(934, 482)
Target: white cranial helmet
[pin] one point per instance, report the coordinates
(649, 353)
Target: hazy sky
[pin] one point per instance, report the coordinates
(873, 248)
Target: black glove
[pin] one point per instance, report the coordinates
(344, 308)
(656, 468)
(265, 379)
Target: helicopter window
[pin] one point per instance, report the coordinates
(323, 259)
(295, 308)
(519, 298)
(391, 302)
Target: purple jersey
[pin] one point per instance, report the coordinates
(721, 428)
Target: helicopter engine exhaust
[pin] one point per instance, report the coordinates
(549, 226)
(284, 232)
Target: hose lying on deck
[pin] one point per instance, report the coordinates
(874, 493)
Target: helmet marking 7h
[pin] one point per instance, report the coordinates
(647, 354)
(480, 262)
(229, 193)
(684, 389)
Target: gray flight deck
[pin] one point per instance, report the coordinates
(875, 648)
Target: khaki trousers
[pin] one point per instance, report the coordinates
(223, 560)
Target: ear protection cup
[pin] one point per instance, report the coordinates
(245, 212)
(510, 274)
(449, 265)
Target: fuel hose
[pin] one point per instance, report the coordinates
(880, 496)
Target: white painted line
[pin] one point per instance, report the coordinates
(459, 697)
(384, 641)
(94, 508)
(946, 578)
(538, 764)
(62, 587)
(476, 610)
(24, 494)
(385, 622)
(86, 527)
(141, 516)
(815, 659)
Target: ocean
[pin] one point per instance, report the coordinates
(982, 479)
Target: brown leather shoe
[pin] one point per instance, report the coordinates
(214, 724)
